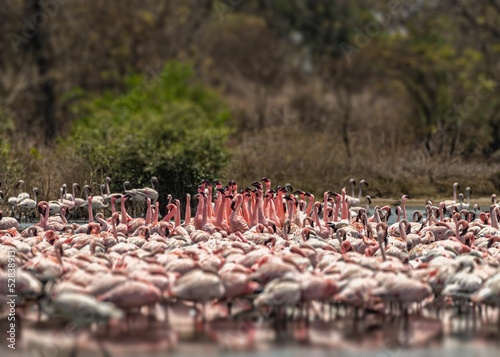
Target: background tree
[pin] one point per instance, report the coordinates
(317, 91)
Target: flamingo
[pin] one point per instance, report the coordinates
(47, 266)
(28, 205)
(78, 202)
(463, 283)
(466, 205)
(236, 222)
(140, 195)
(280, 294)
(450, 203)
(13, 201)
(63, 202)
(132, 295)
(22, 195)
(8, 222)
(489, 293)
(187, 215)
(403, 290)
(312, 259)
(352, 184)
(198, 286)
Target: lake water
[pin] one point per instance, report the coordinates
(181, 335)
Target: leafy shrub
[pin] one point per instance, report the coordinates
(166, 125)
(10, 166)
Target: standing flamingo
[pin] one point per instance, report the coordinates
(450, 203)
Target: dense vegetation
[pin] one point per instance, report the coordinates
(403, 94)
(165, 127)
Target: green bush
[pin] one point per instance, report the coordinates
(10, 167)
(168, 126)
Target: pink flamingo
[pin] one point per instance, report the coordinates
(449, 203)
(220, 222)
(345, 209)
(187, 215)
(8, 222)
(198, 216)
(236, 222)
(403, 205)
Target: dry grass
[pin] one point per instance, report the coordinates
(316, 161)
(311, 160)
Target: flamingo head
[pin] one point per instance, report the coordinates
(50, 236)
(257, 185)
(345, 247)
(93, 228)
(42, 207)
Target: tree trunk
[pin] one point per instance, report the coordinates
(345, 132)
(261, 100)
(345, 103)
(42, 56)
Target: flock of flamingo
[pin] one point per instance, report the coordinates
(275, 250)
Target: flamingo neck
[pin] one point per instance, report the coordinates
(218, 202)
(494, 219)
(272, 212)
(316, 218)
(260, 210)
(244, 206)
(199, 208)
(44, 218)
(124, 212)
(63, 217)
(148, 212)
(177, 216)
(344, 206)
(403, 207)
(210, 210)
(239, 204)
(255, 213)
(220, 212)
(278, 203)
(89, 209)
(113, 225)
(156, 212)
(337, 208)
(402, 230)
(187, 216)
(325, 206)
(204, 212)
(170, 213)
(289, 208)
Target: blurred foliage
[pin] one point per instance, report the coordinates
(404, 93)
(10, 166)
(165, 125)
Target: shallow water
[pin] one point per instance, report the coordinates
(178, 333)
